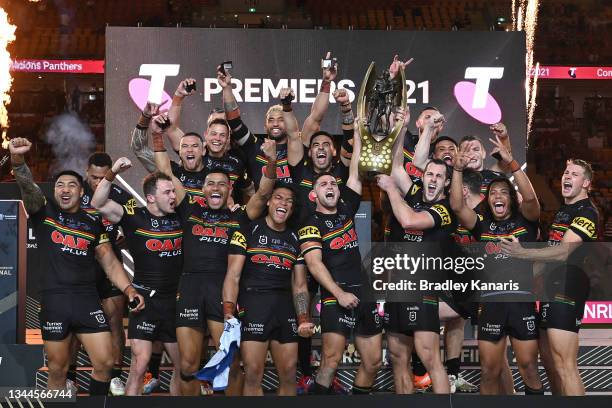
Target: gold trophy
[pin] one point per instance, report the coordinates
(378, 98)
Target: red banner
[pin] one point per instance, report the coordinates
(59, 66)
(550, 72)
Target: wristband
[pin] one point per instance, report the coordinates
(110, 175)
(287, 108)
(158, 143)
(345, 110)
(232, 114)
(303, 318)
(123, 291)
(143, 122)
(177, 100)
(17, 160)
(228, 308)
(514, 166)
(346, 145)
(325, 86)
(456, 169)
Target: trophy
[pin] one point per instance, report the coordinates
(378, 98)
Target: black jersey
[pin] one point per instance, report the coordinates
(444, 219)
(303, 176)
(68, 242)
(118, 195)
(270, 255)
(192, 181)
(155, 243)
(206, 238)
(336, 236)
(233, 165)
(500, 267)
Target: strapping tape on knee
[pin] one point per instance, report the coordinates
(187, 377)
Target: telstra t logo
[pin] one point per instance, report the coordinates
(475, 98)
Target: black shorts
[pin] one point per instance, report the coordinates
(462, 307)
(364, 320)
(155, 321)
(199, 299)
(267, 315)
(562, 315)
(64, 313)
(518, 320)
(106, 289)
(408, 317)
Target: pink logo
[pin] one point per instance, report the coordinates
(319, 307)
(139, 92)
(465, 94)
(597, 313)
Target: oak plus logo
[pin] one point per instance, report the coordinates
(475, 98)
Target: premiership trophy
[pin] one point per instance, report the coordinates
(378, 98)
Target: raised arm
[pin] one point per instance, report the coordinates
(348, 125)
(257, 203)
(139, 142)
(116, 274)
(301, 300)
(312, 123)
(501, 131)
(354, 181)
(162, 160)
(398, 171)
(239, 131)
(110, 209)
(467, 216)
(530, 207)
(405, 215)
(433, 123)
(32, 196)
(295, 149)
(174, 132)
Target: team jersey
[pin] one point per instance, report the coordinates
(231, 164)
(303, 175)
(155, 243)
(206, 236)
(192, 181)
(270, 255)
(487, 177)
(445, 222)
(68, 242)
(410, 142)
(118, 195)
(582, 218)
(500, 267)
(335, 235)
(256, 161)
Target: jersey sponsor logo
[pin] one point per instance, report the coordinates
(165, 247)
(104, 238)
(413, 170)
(585, 225)
(130, 206)
(413, 235)
(214, 232)
(272, 260)
(414, 190)
(442, 211)
(74, 245)
(348, 239)
(239, 239)
(309, 232)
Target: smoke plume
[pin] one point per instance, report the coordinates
(71, 141)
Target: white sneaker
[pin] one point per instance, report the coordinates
(451, 381)
(150, 384)
(462, 385)
(117, 388)
(72, 387)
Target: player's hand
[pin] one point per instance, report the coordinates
(500, 130)
(511, 246)
(463, 158)
(121, 165)
(157, 124)
(385, 183)
(341, 97)
(306, 329)
(286, 95)
(329, 74)
(224, 79)
(132, 295)
(506, 156)
(434, 121)
(400, 114)
(269, 149)
(396, 65)
(347, 300)
(181, 90)
(19, 145)
(151, 109)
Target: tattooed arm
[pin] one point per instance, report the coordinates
(140, 141)
(32, 196)
(301, 300)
